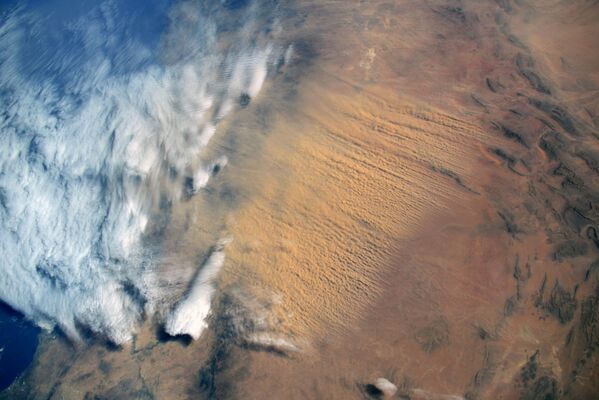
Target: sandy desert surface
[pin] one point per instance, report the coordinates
(412, 197)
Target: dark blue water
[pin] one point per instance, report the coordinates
(58, 38)
(18, 342)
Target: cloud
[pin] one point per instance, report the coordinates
(91, 130)
(189, 316)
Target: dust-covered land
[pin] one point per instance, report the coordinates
(412, 196)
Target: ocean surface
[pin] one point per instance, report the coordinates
(18, 342)
(107, 108)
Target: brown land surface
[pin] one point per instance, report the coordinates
(413, 197)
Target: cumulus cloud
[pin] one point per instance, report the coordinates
(93, 125)
(189, 316)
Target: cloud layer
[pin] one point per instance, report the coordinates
(100, 129)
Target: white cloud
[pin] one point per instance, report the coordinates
(85, 150)
(189, 316)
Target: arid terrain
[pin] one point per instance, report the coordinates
(414, 196)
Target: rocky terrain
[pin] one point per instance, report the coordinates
(414, 211)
